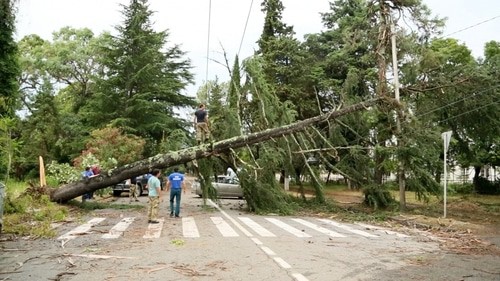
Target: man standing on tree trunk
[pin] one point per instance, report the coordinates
(201, 125)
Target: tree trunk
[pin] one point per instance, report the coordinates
(161, 161)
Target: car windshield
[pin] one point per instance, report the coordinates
(226, 179)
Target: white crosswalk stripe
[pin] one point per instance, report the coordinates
(288, 228)
(154, 229)
(84, 228)
(319, 228)
(189, 228)
(263, 227)
(224, 228)
(256, 227)
(118, 229)
(348, 228)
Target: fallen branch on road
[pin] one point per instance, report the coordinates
(98, 256)
(59, 275)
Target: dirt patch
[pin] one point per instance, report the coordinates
(472, 225)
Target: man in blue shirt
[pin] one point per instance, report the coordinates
(87, 174)
(154, 189)
(175, 185)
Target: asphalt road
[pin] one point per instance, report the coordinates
(222, 242)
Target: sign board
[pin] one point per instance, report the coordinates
(446, 141)
(446, 138)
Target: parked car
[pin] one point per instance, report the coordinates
(225, 186)
(142, 185)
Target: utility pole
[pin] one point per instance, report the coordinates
(401, 170)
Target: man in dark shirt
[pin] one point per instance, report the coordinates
(201, 124)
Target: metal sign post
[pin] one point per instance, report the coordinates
(446, 141)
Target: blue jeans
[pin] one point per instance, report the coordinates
(175, 193)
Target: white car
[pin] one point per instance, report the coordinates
(225, 186)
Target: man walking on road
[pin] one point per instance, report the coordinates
(154, 189)
(175, 185)
(132, 194)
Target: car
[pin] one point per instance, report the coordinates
(142, 186)
(225, 186)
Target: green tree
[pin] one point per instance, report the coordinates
(9, 87)
(73, 59)
(284, 60)
(143, 79)
(56, 80)
(112, 146)
(351, 63)
(455, 92)
(9, 64)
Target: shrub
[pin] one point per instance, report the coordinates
(377, 196)
(62, 173)
(484, 186)
(459, 188)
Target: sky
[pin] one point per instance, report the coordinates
(188, 24)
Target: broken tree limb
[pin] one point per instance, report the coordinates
(172, 158)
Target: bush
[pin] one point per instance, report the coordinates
(459, 188)
(62, 173)
(484, 186)
(377, 196)
(29, 215)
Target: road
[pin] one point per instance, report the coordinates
(221, 242)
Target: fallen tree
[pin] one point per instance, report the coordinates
(168, 159)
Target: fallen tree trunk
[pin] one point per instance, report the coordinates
(168, 159)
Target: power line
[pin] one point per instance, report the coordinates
(208, 46)
(245, 29)
(467, 112)
(472, 26)
(457, 101)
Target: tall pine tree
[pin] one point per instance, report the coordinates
(144, 78)
(9, 65)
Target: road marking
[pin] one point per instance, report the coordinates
(299, 277)
(224, 228)
(256, 241)
(256, 227)
(81, 229)
(154, 229)
(189, 228)
(239, 226)
(348, 228)
(282, 263)
(118, 229)
(288, 228)
(380, 229)
(319, 228)
(268, 251)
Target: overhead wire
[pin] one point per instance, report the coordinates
(457, 101)
(245, 29)
(472, 26)
(208, 47)
(467, 112)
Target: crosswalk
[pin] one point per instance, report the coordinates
(234, 227)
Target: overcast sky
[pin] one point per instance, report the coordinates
(187, 22)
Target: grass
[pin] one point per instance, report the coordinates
(96, 205)
(347, 205)
(15, 188)
(29, 212)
